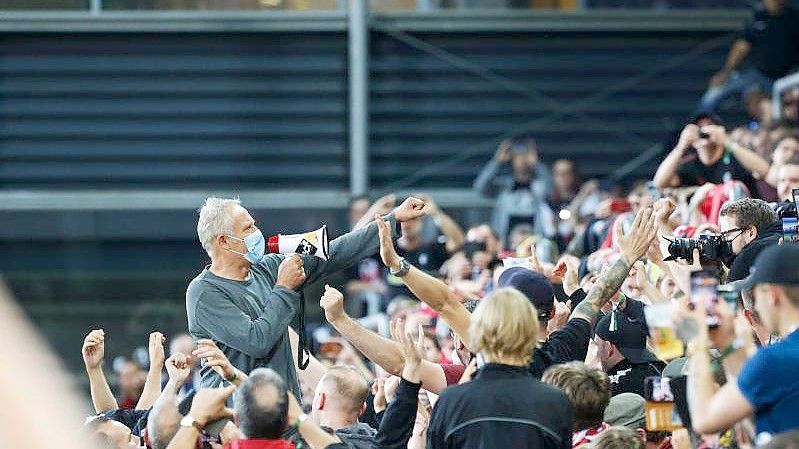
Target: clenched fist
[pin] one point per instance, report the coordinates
(409, 209)
(291, 273)
(332, 302)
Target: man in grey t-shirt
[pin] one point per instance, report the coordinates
(245, 300)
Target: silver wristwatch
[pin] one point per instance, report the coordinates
(405, 266)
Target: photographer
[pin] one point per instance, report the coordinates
(749, 226)
(717, 159)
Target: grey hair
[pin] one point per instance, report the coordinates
(214, 220)
(164, 420)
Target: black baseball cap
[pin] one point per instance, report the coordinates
(777, 264)
(535, 286)
(629, 336)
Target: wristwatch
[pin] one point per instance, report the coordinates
(404, 267)
(189, 421)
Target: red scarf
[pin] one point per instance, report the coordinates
(260, 444)
(588, 435)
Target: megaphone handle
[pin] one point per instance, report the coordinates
(303, 355)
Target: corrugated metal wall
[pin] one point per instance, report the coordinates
(172, 111)
(265, 110)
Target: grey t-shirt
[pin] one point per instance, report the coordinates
(249, 319)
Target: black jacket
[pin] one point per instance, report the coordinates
(744, 261)
(503, 407)
(399, 418)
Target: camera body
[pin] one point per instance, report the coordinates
(712, 248)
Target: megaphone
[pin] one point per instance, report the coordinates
(312, 243)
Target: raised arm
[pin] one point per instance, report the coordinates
(750, 160)
(486, 181)
(382, 351)
(207, 406)
(93, 353)
(632, 246)
(314, 372)
(152, 386)
(666, 175)
(398, 421)
(740, 48)
(432, 291)
(352, 247)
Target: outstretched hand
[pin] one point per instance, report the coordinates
(209, 404)
(94, 349)
(637, 241)
(411, 350)
(156, 350)
(388, 253)
(178, 366)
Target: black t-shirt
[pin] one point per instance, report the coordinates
(627, 377)
(774, 40)
(135, 420)
(564, 345)
(694, 173)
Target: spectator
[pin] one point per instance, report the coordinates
(769, 41)
(718, 159)
(339, 401)
(588, 391)
(787, 148)
(618, 438)
(131, 378)
(569, 202)
(164, 418)
(767, 383)
(788, 180)
(227, 301)
(621, 345)
(504, 406)
(749, 226)
(520, 197)
(265, 409)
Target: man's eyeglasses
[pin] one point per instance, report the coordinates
(726, 234)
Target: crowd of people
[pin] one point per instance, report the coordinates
(660, 314)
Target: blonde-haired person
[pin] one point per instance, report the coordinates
(504, 406)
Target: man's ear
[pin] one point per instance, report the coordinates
(750, 317)
(363, 409)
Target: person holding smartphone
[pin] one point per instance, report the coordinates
(767, 384)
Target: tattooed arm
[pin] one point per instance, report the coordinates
(632, 246)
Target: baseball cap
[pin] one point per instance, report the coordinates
(626, 410)
(629, 335)
(777, 264)
(535, 286)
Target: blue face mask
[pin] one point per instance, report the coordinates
(256, 246)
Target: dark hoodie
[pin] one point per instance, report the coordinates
(358, 436)
(766, 237)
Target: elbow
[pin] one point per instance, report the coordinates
(702, 426)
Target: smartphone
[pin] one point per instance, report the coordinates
(661, 413)
(704, 293)
(658, 389)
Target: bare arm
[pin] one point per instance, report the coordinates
(152, 386)
(451, 230)
(748, 158)
(740, 48)
(314, 372)
(666, 175)
(632, 247)
(93, 353)
(382, 351)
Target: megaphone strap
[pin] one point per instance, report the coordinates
(303, 355)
